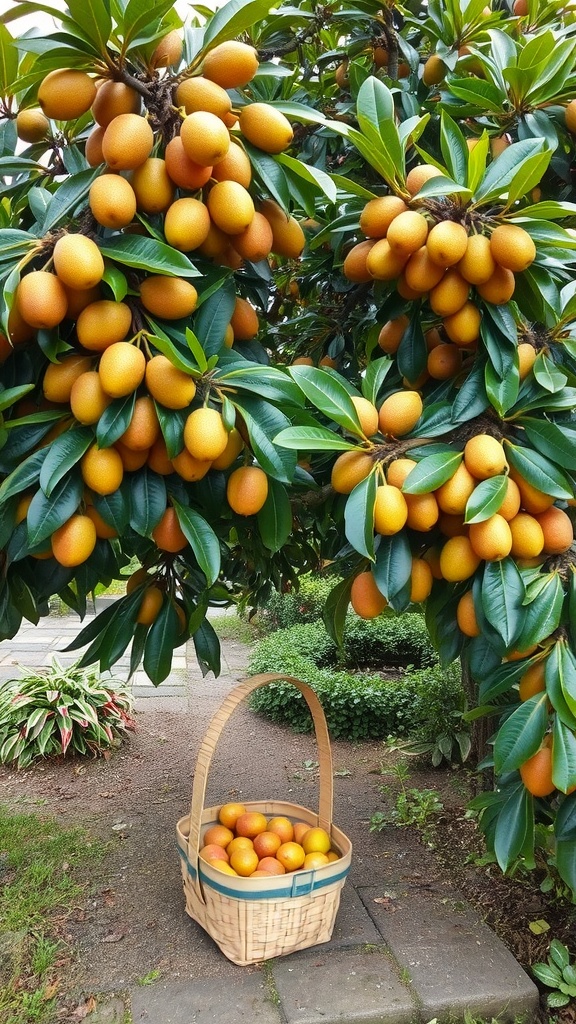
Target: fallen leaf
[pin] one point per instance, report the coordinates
(538, 927)
(84, 1009)
(114, 937)
(50, 991)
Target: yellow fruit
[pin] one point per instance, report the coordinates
(231, 64)
(365, 598)
(78, 261)
(404, 289)
(234, 446)
(380, 261)
(247, 490)
(491, 539)
(378, 214)
(390, 510)
(342, 76)
(407, 233)
(570, 116)
(188, 467)
(244, 862)
(526, 358)
(484, 456)
(168, 536)
(447, 243)
(511, 504)
(74, 541)
(231, 207)
(444, 362)
(418, 175)
(355, 266)
(127, 142)
(421, 581)
(103, 529)
(313, 861)
(170, 386)
(244, 320)
(450, 294)
(229, 814)
(131, 459)
(458, 560)
(420, 273)
(250, 824)
(41, 300)
(186, 224)
(205, 435)
(112, 99)
(499, 288)
(93, 150)
(316, 840)
(291, 856)
(112, 201)
(102, 324)
(102, 469)
(466, 615)
(183, 171)
(153, 186)
(256, 241)
(527, 536)
(477, 264)
(158, 458)
(367, 414)
(205, 138)
(60, 377)
(536, 773)
(223, 867)
(434, 70)
(65, 94)
(533, 681)
(170, 298)
(266, 127)
(212, 851)
(463, 327)
(32, 125)
(168, 51)
(144, 428)
(234, 167)
(219, 835)
(557, 529)
(423, 512)
(400, 412)
(122, 368)
(349, 469)
(201, 94)
(512, 247)
(392, 333)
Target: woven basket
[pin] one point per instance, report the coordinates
(254, 919)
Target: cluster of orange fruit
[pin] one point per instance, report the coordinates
(439, 259)
(109, 355)
(248, 844)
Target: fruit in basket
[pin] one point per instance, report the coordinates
(222, 865)
(213, 852)
(271, 866)
(229, 813)
(218, 834)
(313, 860)
(291, 856)
(244, 861)
(283, 827)
(316, 840)
(250, 824)
(300, 829)
(267, 844)
(237, 843)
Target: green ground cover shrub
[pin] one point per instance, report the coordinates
(296, 606)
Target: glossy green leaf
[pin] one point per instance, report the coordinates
(502, 171)
(566, 864)
(321, 181)
(565, 824)
(393, 570)
(503, 592)
(563, 756)
(202, 540)
(47, 514)
(162, 638)
(548, 375)
(213, 317)
(94, 19)
(336, 609)
(521, 734)
(64, 452)
(69, 196)
(148, 254)
(486, 499)
(207, 647)
(543, 614)
(374, 377)
(539, 471)
(556, 442)
(515, 821)
(313, 439)
(26, 475)
(328, 395)
(431, 472)
(275, 517)
(8, 62)
(264, 422)
(359, 516)
(556, 679)
(115, 420)
(234, 18)
(147, 500)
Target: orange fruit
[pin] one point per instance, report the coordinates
(60, 377)
(122, 368)
(526, 358)
(78, 261)
(234, 167)
(112, 201)
(170, 298)
(231, 64)
(150, 605)
(112, 99)
(400, 412)
(188, 467)
(74, 541)
(466, 615)
(282, 827)
(170, 386)
(231, 207)
(168, 535)
(213, 852)
(452, 525)
(158, 458)
(144, 428)
(463, 327)
(234, 446)
(533, 500)
(132, 459)
(247, 490)
(244, 320)
(300, 827)
(244, 861)
(434, 70)
(458, 560)
(378, 214)
(288, 237)
(201, 94)
(418, 175)
(221, 865)
(407, 233)
(266, 844)
(499, 288)
(420, 273)
(536, 773)
(102, 469)
(250, 824)
(103, 529)
(477, 264)
(423, 511)
(366, 600)
(168, 51)
(205, 435)
(186, 224)
(239, 842)
(316, 840)
(256, 241)
(491, 539)
(444, 362)
(512, 247)
(390, 510)
(421, 581)
(41, 300)
(291, 856)
(447, 242)
(450, 294)
(533, 681)
(184, 172)
(484, 456)
(271, 866)
(152, 185)
(93, 150)
(527, 536)
(205, 138)
(398, 471)
(65, 94)
(392, 333)
(557, 530)
(265, 127)
(380, 261)
(315, 860)
(511, 504)
(367, 414)
(219, 835)
(103, 323)
(32, 125)
(355, 266)
(127, 142)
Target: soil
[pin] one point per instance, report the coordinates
(132, 922)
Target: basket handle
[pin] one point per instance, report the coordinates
(208, 746)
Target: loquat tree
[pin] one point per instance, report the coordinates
(291, 286)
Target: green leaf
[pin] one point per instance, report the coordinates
(374, 377)
(375, 113)
(566, 674)
(328, 395)
(548, 375)
(207, 647)
(502, 171)
(313, 175)
(454, 148)
(26, 475)
(264, 422)
(543, 614)
(196, 350)
(94, 19)
(477, 161)
(213, 317)
(116, 281)
(486, 499)
(556, 442)
(172, 426)
(64, 452)
(502, 387)
(563, 756)
(565, 823)
(147, 500)
(272, 176)
(313, 439)
(441, 185)
(10, 396)
(69, 195)
(115, 420)
(431, 472)
(566, 866)
(412, 352)
(148, 254)
(528, 175)
(336, 609)
(47, 514)
(539, 471)
(556, 680)
(275, 517)
(546, 974)
(8, 63)
(478, 93)
(521, 734)
(393, 570)
(503, 592)
(514, 822)
(162, 638)
(359, 516)
(234, 18)
(202, 540)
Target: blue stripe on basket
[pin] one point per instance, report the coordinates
(302, 884)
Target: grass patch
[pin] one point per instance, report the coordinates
(231, 627)
(44, 874)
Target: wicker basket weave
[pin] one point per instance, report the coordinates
(253, 919)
